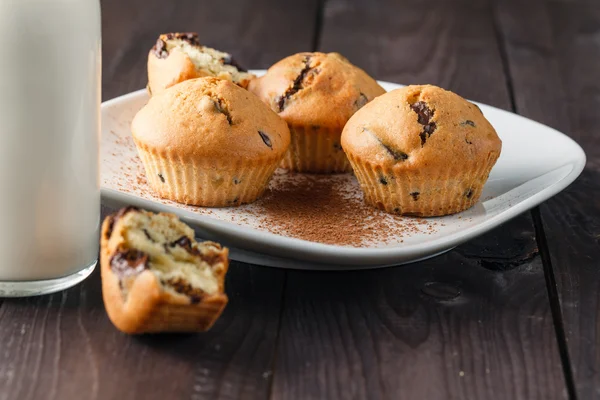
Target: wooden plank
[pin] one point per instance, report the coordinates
(63, 346)
(474, 323)
(553, 51)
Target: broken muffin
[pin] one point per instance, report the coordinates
(177, 57)
(316, 94)
(156, 277)
(421, 151)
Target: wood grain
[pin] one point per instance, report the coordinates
(553, 50)
(63, 346)
(474, 323)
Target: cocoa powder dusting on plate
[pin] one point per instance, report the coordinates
(327, 209)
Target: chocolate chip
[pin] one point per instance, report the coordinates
(396, 154)
(162, 178)
(148, 235)
(424, 115)
(115, 217)
(469, 193)
(160, 49)
(211, 259)
(111, 224)
(477, 107)
(228, 60)
(382, 180)
(236, 181)
(468, 122)
(361, 101)
(190, 37)
(265, 138)
(296, 84)
(415, 195)
(467, 141)
(220, 107)
(185, 288)
(129, 262)
(396, 210)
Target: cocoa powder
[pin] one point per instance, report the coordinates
(326, 209)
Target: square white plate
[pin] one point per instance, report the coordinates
(536, 163)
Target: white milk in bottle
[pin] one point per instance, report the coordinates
(49, 137)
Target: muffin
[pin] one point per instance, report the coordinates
(156, 278)
(208, 142)
(316, 94)
(421, 151)
(177, 57)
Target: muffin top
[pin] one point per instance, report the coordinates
(316, 89)
(210, 117)
(424, 127)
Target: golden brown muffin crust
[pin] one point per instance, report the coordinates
(316, 89)
(209, 117)
(420, 127)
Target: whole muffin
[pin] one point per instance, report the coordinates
(208, 142)
(421, 151)
(177, 57)
(316, 94)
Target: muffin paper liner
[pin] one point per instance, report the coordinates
(314, 149)
(411, 192)
(207, 182)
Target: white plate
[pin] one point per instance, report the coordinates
(536, 163)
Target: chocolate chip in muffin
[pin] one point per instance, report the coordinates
(222, 108)
(162, 178)
(361, 101)
(382, 180)
(190, 37)
(129, 262)
(148, 235)
(181, 286)
(265, 138)
(119, 214)
(469, 193)
(415, 195)
(229, 60)
(467, 141)
(160, 49)
(396, 154)
(468, 122)
(236, 181)
(186, 243)
(297, 84)
(424, 116)
(477, 107)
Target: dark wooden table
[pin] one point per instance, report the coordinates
(511, 315)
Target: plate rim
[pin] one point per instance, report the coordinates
(336, 254)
